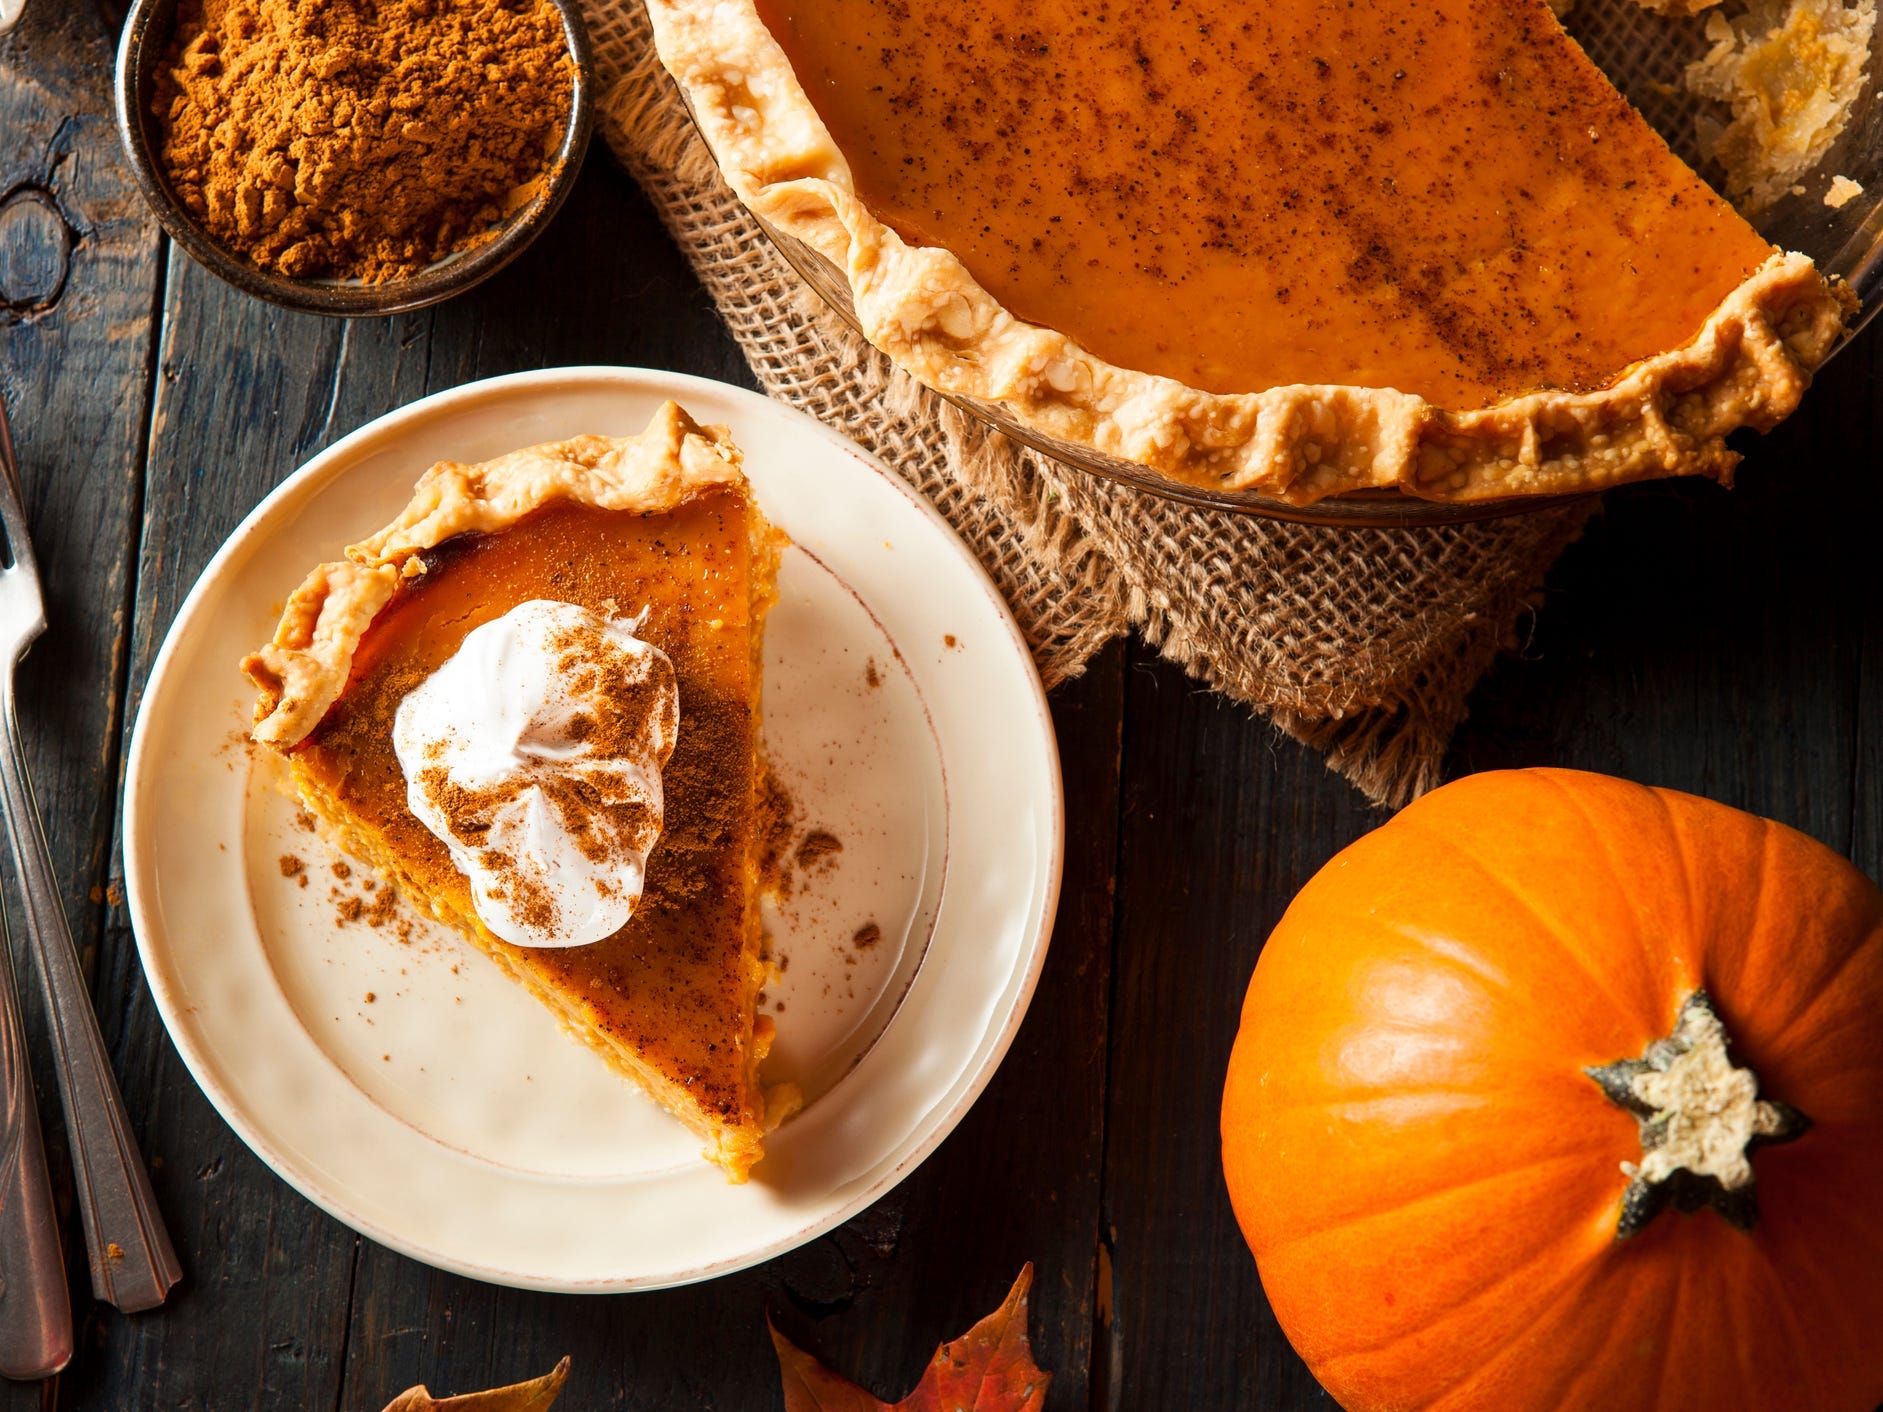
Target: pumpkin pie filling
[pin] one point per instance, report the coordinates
(670, 997)
(1246, 196)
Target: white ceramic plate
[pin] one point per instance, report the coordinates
(448, 1116)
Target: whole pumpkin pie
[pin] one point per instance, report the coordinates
(1291, 247)
(532, 702)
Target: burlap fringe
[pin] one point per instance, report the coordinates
(1364, 644)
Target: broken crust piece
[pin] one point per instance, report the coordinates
(663, 524)
(1842, 192)
(1791, 71)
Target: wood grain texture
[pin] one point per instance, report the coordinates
(79, 264)
(1222, 822)
(241, 396)
(1019, 1180)
(78, 270)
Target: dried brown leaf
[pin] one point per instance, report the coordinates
(990, 1368)
(533, 1396)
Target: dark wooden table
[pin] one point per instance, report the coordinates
(1725, 643)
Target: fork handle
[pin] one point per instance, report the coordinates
(35, 1309)
(132, 1262)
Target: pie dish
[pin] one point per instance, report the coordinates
(1256, 255)
(663, 525)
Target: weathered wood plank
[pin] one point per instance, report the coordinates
(240, 397)
(79, 260)
(1019, 1179)
(1222, 822)
(1857, 585)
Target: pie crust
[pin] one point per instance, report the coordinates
(1667, 414)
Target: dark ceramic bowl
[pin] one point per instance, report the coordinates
(147, 33)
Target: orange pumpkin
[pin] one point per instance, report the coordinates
(1556, 1093)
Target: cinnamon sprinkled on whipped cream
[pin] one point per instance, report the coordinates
(534, 754)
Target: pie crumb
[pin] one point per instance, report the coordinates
(1843, 191)
(816, 848)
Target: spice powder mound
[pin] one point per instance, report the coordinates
(360, 139)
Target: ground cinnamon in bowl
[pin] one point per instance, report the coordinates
(360, 139)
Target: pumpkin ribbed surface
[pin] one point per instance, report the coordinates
(1433, 1182)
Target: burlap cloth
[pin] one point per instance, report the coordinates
(1363, 643)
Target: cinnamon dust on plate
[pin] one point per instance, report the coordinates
(360, 139)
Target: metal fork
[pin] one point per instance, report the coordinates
(133, 1265)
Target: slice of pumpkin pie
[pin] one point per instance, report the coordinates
(532, 702)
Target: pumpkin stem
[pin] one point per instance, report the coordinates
(1701, 1117)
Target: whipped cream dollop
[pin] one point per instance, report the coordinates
(535, 755)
